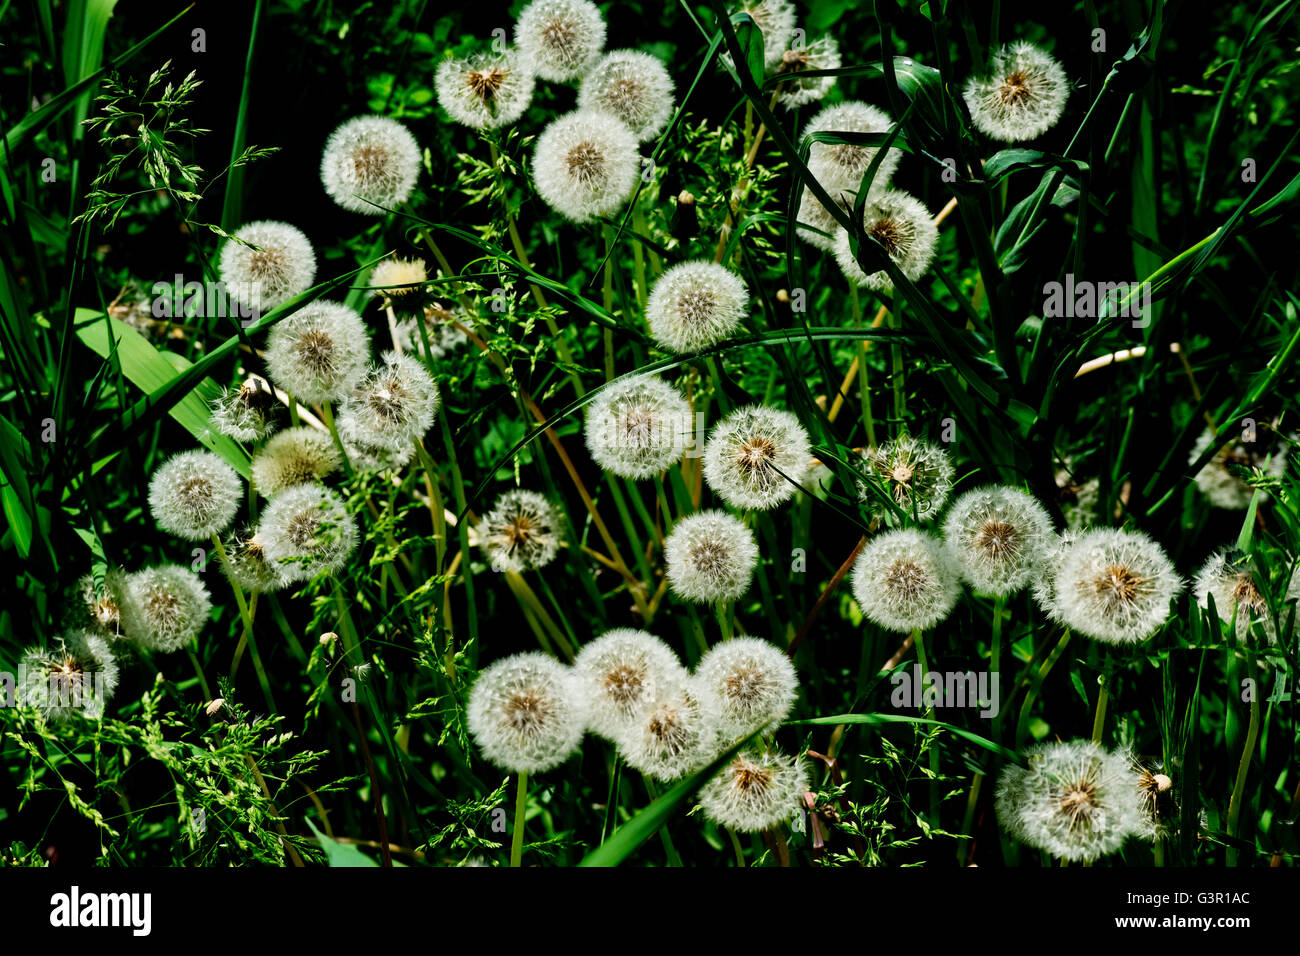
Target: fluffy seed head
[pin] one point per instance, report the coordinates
(755, 792)
(560, 38)
(1043, 583)
(104, 604)
(755, 456)
(775, 19)
(276, 264)
(318, 353)
(295, 456)
(694, 305)
(815, 224)
(710, 556)
(1216, 481)
(245, 562)
(306, 530)
(633, 86)
(76, 675)
(902, 225)
(1239, 593)
(486, 90)
(442, 335)
(1115, 586)
(916, 474)
(369, 162)
(1021, 97)
(585, 165)
(394, 278)
(675, 735)
(638, 427)
(622, 673)
(393, 406)
(999, 536)
(521, 532)
(527, 713)
(195, 495)
(906, 580)
(164, 608)
(244, 413)
(842, 165)
(754, 682)
(822, 54)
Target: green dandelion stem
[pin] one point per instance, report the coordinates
(1243, 768)
(517, 834)
(327, 414)
(1036, 682)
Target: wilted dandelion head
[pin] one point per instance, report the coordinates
(633, 86)
(164, 607)
(245, 562)
(775, 19)
(900, 224)
(1022, 95)
(999, 536)
(622, 673)
(369, 162)
(318, 353)
(916, 474)
(638, 427)
(906, 580)
(676, 735)
(797, 89)
(710, 556)
(1075, 800)
(75, 676)
(1115, 586)
(844, 164)
(694, 305)
(394, 278)
(521, 532)
(295, 456)
(104, 603)
(391, 407)
(246, 412)
(560, 38)
(439, 330)
(276, 264)
(756, 456)
(1240, 593)
(1216, 481)
(486, 90)
(527, 712)
(756, 791)
(195, 494)
(755, 684)
(306, 530)
(585, 165)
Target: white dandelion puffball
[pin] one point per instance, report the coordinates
(369, 162)
(244, 413)
(391, 407)
(560, 38)
(378, 458)
(675, 735)
(394, 278)
(1115, 586)
(1043, 584)
(521, 532)
(755, 684)
(318, 353)
(906, 580)
(104, 603)
(694, 305)
(439, 330)
(1075, 800)
(195, 494)
(711, 556)
(798, 90)
(164, 608)
(245, 562)
(843, 165)
(306, 530)
(638, 427)
(1220, 486)
(621, 674)
(1022, 95)
(901, 224)
(585, 165)
(755, 791)
(486, 90)
(914, 473)
(756, 456)
(295, 456)
(276, 264)
(775, 19)
(815, 224)
(75, 676)
(633, 86)
(527, 712)
(1231, 579)
(999, 536)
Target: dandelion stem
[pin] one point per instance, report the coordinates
(932, 749)
(1022, 725)
(517, 835)
(246, 617)
(327, 415)
(1103, 697)
(995, 661)
(1243, 769)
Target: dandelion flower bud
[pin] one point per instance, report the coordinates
(676, 735)
(844, 164)
(195, 494)
(585, 165)
(999, 536)
(165, 607)
(899, 223)
(914, 473)
(622, 673)
(244, 413)
(906, 580)
(638, 427)
(694, 305)
(560, 38)
(245, 563)
(775, 19)
(306, 530)
(822, 54)
(633, 86)
(104, 604)
(1021, 97)
(756, 456)
(318, 353)
(1232, 581)
(370, 162)
(76, 676)
(393, 278)
(1115, 586)
(295, 456)
(1220, 486)
(486, 90)
(711, 556)
(267, 263)
(1075, 800)
(393, 406)
(527, 713)
(754, 682)
(755, 792)
(521, 532)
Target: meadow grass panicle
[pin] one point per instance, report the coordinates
(276, 264)
(899, 223)
(710, 556)
(906, 580)
(999, 536)
(914, 473)
(75, 676)
(370, 162)
(1115, 586)
(694, 305)
(676, 735)
(797, 89)
(754, 681)
(842, 165)
(1232, 580)
(485, 90)
(521, 532)
(633, 86)
(393, 406)
(1022, 95)
(1216, 481)
(756, 457)
(246, 565)
(637, 427)
(561, 38)
(318, 353)
(295, 456)
(775, 19)
(622, 673)
(195, 494)
(585, 164)
(164, 607)
(527, 712)
(756, 791)
(245, 413)
(306, 530)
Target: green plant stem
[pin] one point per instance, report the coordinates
(327, 414)
(995, 661)
(1243, 769)
(918, 638)
(246, 616)
(517, 835)
(1022, 725)
(1103, 697)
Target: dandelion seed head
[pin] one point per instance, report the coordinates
(164, 607)
(775, 19)
(676, 735)
(999, 536)
(439, 330)
(244, 413)
(754, 681)
(906, 580)
(813, 215)
(306, 530)
(756, 456)
(902, 225)
(798, 90)
(277, 264)
(394, 278)
(916, 474)
(295, 456)
(393, 406)
(318, 353)
(586, 164)
(521, 532)
(710, 556)
(694, 305)
(622, 673)
(1238, 591)
(1021, 97)
(633, 86)
(527, 712)
(560, 38)
(1216, 481)
(74, 676)
(246, 564)
(195, 494)
(1115, 586)
(755, 792)
(485, 90)
(842, 165)
(638, 427)
(370, 162)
